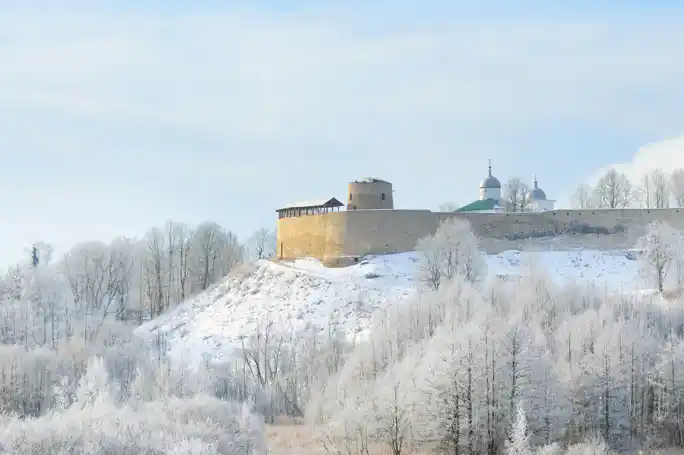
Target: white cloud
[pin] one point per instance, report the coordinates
(666, 155)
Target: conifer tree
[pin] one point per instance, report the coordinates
(34, 257)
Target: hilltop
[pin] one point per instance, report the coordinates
(304, 291)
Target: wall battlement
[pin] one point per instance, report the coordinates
(336, 236)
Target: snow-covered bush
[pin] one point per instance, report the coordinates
(95, 424)
(204, 424)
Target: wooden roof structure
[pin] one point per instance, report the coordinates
(313, 204)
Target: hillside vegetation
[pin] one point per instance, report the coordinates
(470, 362)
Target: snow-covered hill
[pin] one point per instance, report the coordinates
(305, 292)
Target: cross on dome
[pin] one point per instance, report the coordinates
(490, 181)
(537, 194)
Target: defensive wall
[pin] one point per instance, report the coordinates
(337, 238)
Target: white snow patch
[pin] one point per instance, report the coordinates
(613, 268)
(304, 292)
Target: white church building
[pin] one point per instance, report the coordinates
(491, 200)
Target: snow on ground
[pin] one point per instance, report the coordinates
(305, 292)
(614, 268)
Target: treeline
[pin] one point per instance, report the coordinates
(656, 189)
(126, 279)
(75, 379)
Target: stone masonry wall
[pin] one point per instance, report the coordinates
(335, 236)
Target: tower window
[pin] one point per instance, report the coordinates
(383, 196)
(350, 196)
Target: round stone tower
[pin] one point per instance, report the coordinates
(370, 194)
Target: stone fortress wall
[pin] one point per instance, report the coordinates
(338, 238)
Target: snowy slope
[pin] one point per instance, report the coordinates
(306, 292)
(613, 268)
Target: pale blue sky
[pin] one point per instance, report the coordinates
(115, 116)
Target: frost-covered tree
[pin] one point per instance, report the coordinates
(451, 251)
(94, 386)
(200, 425)
(444, 370)
(217, 252)
(392, 417)
(659, 248)
(518, 442)
(586, 364)
(34, 257)
(450, 378)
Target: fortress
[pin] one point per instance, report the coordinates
(369, 224)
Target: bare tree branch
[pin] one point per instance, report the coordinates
(613, 190)
(515, 195)
(583, 198)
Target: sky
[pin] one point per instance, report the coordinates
(118, 115)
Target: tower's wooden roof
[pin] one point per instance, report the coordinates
(315, 203)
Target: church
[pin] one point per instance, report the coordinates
(492, 201)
